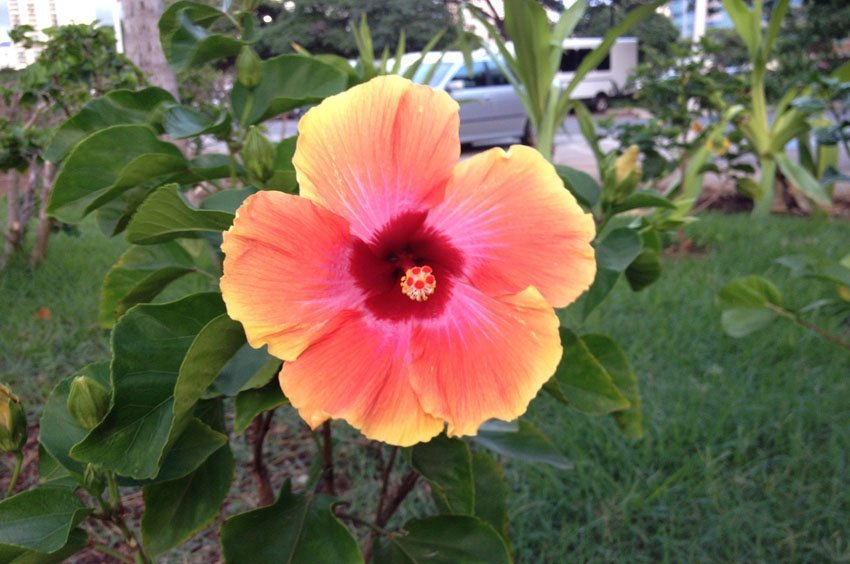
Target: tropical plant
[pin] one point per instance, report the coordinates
(184, 378)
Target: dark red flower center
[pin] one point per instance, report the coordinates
(393, 253)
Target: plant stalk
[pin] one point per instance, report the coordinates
(19, 463)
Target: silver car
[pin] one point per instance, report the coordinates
(490, 110)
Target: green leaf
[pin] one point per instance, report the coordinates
(491, 492)
(612, 358)
(215, 344)
(58, 429)
(118, 107)
(520, 440)
(446, 539)
(249, 368)
(613, 255)
(527, 25)
(107, 163)
(207, 166)
(253, 401)
(113, 217)
(283, 177)
(644, 270)
(227, 200)
(77, 540)
(446, 464)
(166, 215)
(743, 18)
(580, 184)
(149, 344)
(289, 81)
(51, 473)
(584, 381)
(642, 199)
(296, 528)
(176, 510)
(802, 179)
(40, 519)
(181, 122)
(746, 304)
(186, 39)
(139, 275)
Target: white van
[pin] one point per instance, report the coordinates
(490, 109)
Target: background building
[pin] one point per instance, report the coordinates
(42, 14)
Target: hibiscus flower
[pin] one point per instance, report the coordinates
(407, 292)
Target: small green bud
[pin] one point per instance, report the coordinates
(94, 479)
(88, 401)
(258, 154)
(249, 70)
(13, 422)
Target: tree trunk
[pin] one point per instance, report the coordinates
(141, 41)
(14, 233)
(42, 232)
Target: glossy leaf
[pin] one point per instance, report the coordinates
(584, 381)
(445, 539)
(249, 368)
(114, 108)
(227, 200)
(746, 305)
(520, 440)
(149, 344)
(644, 270)
(296, 528)
(77, 540)
(283, 177)
(51, 473)
(581, 185)
(113, 216)
(176, 510)
(107, 163)
(446, 464)
(40, 519)
(609, 354)
(289, 81)
(194, 445)
(58, 429)
(613, 255)
(491, 492)
(642, 199)
(253, 401)
(166, 215)
(207, 166)
(186, 39)
(212, 348)
(181, 122)
(803, 180)
(139, 275)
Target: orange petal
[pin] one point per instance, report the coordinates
(485, 358)
(286, 271)
(359, 372)
(378, 150)
(517, 226)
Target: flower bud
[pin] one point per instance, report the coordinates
(249, 70)
(88, 401)
(13, 422)
(627, 163)
(258, 154)
(94, 479)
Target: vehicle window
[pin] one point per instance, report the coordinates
(479, 75)
(572, 58)
(436, 77)
(497, 78)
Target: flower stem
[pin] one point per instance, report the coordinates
(261, 426)
(328, 458)
(110, 552)
(19, 462)
(834, 339)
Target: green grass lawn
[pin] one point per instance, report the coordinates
(746, 451)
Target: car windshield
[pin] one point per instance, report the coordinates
(437, 75)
